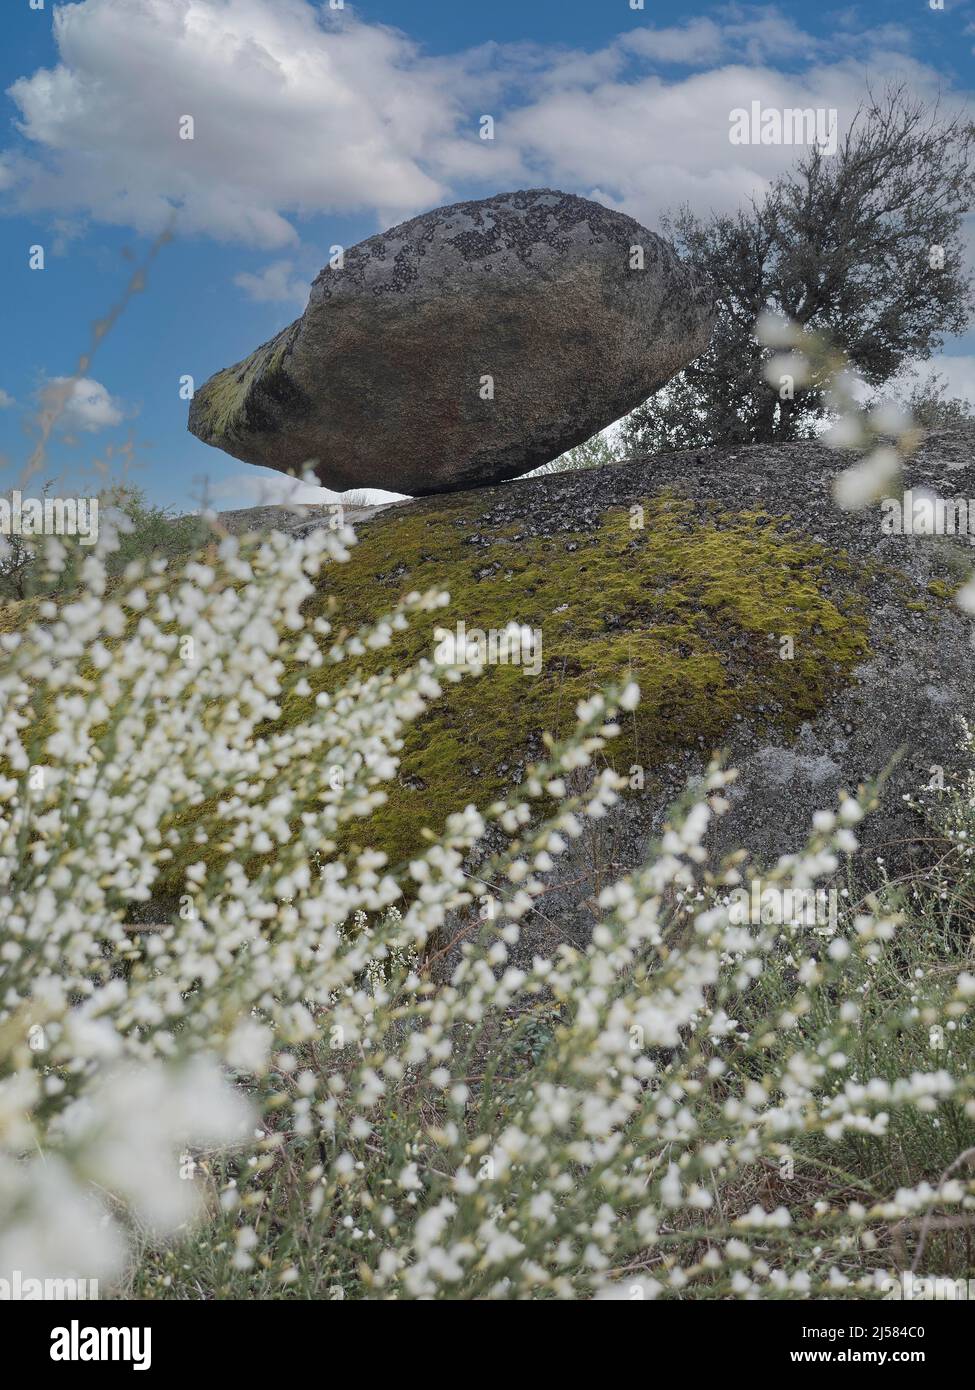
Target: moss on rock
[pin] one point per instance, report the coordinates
(224, 404)
(699, 604)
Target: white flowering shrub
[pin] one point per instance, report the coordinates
(884, 431)
(662, 1113)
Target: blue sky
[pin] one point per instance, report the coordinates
(316, 128)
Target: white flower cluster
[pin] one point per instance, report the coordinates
(886, 429)
(567, 1126)
(886, 432)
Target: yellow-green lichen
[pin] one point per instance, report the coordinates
(220, 402)
(717, 615)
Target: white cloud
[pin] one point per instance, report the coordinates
(644, 143)
(758, 33)
(275, 284)
(262, 488)
(292, 111)
(6, 400)
(65, 231)
(266, 489)
(299, 110)
(87, 405)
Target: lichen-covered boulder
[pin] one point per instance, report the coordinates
(464, 347)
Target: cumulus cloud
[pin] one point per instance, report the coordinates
(6, 400)
(262, 488)
(644, 145)
(292, 110)
(277, 283)
(757, 34)
(84, 404)
(266, 489)
(299, 110)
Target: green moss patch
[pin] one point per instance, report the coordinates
(717, 615)
(943, 589)
(221, 404)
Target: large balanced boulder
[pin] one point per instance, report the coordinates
(464, 347)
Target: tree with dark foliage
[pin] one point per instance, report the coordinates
(864, 245)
